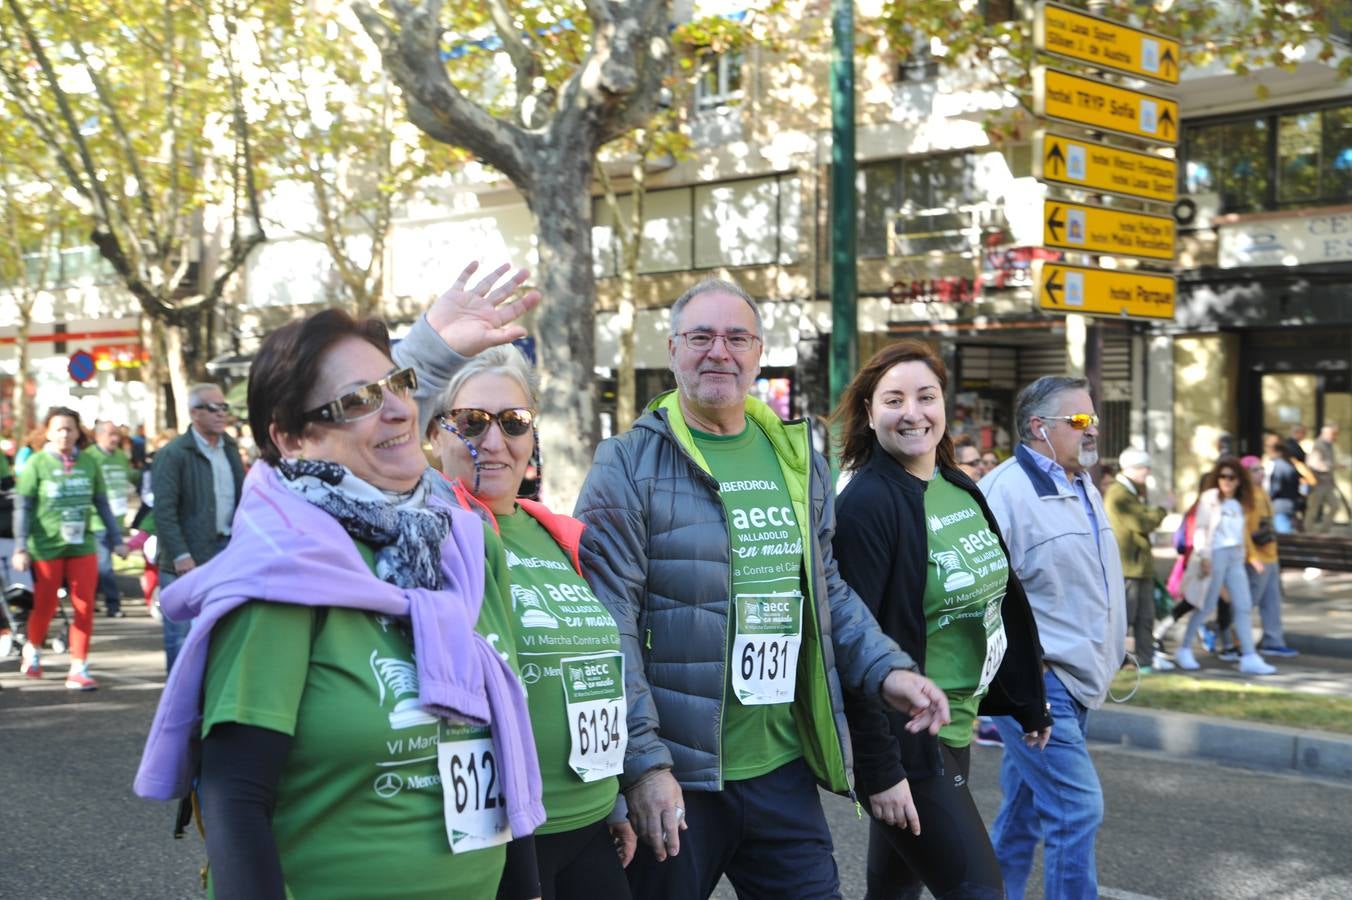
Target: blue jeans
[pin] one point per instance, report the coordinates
(175, 633)
(1228, 571)
(1053, 796)
(112, 597)
(1265, 589)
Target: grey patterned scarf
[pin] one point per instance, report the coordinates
(406, 532)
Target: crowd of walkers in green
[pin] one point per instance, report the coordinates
(387, 677)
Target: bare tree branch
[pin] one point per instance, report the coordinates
(129, 155)
(523, 58)
(435, 104)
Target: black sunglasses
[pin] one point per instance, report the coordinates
(366, 400)
(214, 407)
(472, 423)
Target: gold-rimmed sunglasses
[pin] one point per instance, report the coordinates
(366, 400)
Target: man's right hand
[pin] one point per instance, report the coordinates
(182, 566)
(20, 560)
(657, 809)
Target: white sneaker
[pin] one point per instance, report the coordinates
(1253, 664)
(30, 662)
(1184, 659)
(1160, 664)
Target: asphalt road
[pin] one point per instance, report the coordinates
(72, 828)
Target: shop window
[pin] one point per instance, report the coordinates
(735, 223)
(720, 82)
(666, 242)
(666, 232)
(917, 189)
(879, 193)
(1298, 150)
(1229, 160)
(747, 222)
(1337, 153)
(1297, 158)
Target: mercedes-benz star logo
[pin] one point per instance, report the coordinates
(530, 673)
(388, 784)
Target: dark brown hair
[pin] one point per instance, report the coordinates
(1243, 493)
(287, 365)
(81, 439)
(857, 438)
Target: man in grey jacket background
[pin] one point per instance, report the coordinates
(1061, 545)
(709, 539)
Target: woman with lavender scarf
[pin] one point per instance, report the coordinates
(347, 699)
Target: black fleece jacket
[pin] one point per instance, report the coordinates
(881, 545)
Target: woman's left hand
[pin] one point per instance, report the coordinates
(626, 841)
(1038, 738)
(895, 807)
(472, 319)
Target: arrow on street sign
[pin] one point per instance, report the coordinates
(1056, 158)
(1104, 107)
(1105, 43)
(1053, 288)
(1104, 292)
(1055, 224)
(1169, 65)
(1098, 229)
(1101, 167)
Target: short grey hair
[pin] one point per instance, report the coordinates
(713, 286)
(1039, 399)
(197, 390)
(506, 360)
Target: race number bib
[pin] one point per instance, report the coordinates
(118, 504)
(996, 642)
(476, 810)
(72, 526)
(593, 689)
(765, 653)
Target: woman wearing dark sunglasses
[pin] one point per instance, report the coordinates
(352, 662)
(917, 542)
(1220, 544)
(568, 644)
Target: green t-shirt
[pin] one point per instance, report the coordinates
(360, 808)
(116, 478)
(767, 563)
(559, 623)
(61, 526)
(965, 637)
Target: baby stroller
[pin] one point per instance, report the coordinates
(16, 603)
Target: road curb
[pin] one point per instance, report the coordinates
(1320, 645)
(1252, 745)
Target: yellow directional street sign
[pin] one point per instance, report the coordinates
(1099, 167)
(1104, 292)
(1096, 229)
(1106, 44)
(1105, 107)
